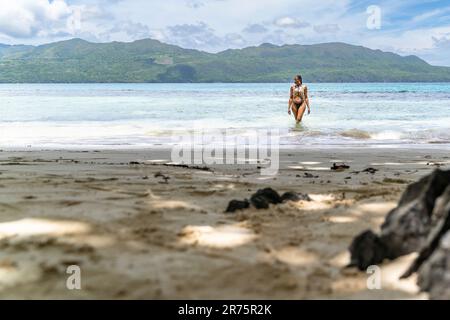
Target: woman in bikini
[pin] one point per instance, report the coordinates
(299, 100)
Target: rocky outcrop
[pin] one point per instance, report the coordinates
(407, 227)
(441, 228)
(434, 274)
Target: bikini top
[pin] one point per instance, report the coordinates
(299, 91)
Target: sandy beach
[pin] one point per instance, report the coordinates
(141, 228)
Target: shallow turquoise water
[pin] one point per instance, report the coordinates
(136, 115)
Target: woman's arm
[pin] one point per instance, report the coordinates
(307, 99)
(291, 97)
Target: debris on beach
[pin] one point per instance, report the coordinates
(163, 176)
(436, 164)
(185, 166)
(263, 198)
(370, 170)
(339, 167)
(367, 170)
(406, 227)
(173, 165)
(308, 175)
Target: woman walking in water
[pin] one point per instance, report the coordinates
(298, 101)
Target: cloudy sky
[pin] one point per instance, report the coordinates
(405, 27)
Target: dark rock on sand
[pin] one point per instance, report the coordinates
(294, 197)
(235, 205)
(406, 227)
(366, 249)
(262, 198)
(259, 202)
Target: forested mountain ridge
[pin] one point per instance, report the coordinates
(78, 61)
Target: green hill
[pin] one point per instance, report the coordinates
(76, 60)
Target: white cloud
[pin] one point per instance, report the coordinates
(290, 22)
(28, 18)
(430, 44)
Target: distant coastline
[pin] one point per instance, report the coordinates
(150, 61)
(237, 82)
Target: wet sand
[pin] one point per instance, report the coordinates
(142, 229)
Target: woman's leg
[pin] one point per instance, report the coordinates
(300, 112)
(294, 110)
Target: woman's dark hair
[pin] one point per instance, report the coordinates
(299, 77)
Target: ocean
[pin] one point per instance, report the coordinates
(84, 116)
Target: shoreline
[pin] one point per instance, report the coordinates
(438, 147)
(141, 228)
